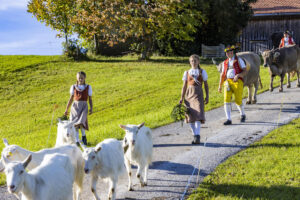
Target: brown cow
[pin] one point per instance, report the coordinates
(252, 78)
(282, 61)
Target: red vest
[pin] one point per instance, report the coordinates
(81, 95)
(236, 67)
(282, 42)
(191, 81)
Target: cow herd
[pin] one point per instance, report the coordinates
(281, 61)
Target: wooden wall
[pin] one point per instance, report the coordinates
(257, 35)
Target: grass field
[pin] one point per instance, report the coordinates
(267, 170)
(125, 91)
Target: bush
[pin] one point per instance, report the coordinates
(73, 49)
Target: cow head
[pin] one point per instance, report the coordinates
(270, 57)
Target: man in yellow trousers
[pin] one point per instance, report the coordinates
(233, 71)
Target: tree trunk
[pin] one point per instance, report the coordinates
(96, 44)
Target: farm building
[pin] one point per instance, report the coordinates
(271, 18)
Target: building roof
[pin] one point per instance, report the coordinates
(276, 7)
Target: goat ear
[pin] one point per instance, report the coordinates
(4, 160)
(141, 125)
(97, 149)
(5, 142)
(27, 161)
(122, 126)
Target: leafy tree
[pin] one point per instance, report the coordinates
(139, 20)
(222, 21)
(54, 13)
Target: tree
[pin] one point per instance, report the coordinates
(54, 13)
(221, 22)
(139, 20)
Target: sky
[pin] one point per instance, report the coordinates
(22, 34)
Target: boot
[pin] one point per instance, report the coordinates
(196, 139)
(243, 118)
(84, 140)
(228, 122)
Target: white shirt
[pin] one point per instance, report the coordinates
(230, 70)
(81, 87)
(195, 73)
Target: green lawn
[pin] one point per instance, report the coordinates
(125, 91)
(267, 170)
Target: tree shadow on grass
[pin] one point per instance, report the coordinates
(276, 192)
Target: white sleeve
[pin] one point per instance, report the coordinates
(204, 75)
(184, 78)
(242, 63)
(90, 91)
(72, 90)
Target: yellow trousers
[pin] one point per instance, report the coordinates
(233, 87)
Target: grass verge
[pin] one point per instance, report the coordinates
(268, 169)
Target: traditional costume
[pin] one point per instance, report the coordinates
(194, 100)
(79, 109)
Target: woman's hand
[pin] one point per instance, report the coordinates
(236, 77)
(220, 89)
(91, 111)
(180, 101)
(66, 113)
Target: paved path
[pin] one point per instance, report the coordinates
(175, 160)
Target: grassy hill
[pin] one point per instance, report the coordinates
(125, 91)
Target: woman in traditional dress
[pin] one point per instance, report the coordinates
(80, 93)
(192, 96)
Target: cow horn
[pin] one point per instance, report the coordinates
(276, 54)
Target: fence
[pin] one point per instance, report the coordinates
(212, 51)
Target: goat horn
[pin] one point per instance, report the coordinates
(5, 142)
(27, 161)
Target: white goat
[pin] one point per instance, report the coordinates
(138, 146)
(17, 153)
(65, 133)
(51, 180)
(106, 160)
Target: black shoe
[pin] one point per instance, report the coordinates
(77, 143)
(243, 118)
(83, 138)
(228, 122)
(196, 139)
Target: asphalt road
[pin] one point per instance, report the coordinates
(174, 170)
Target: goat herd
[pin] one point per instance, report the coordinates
(53, 172)
(57, 173)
